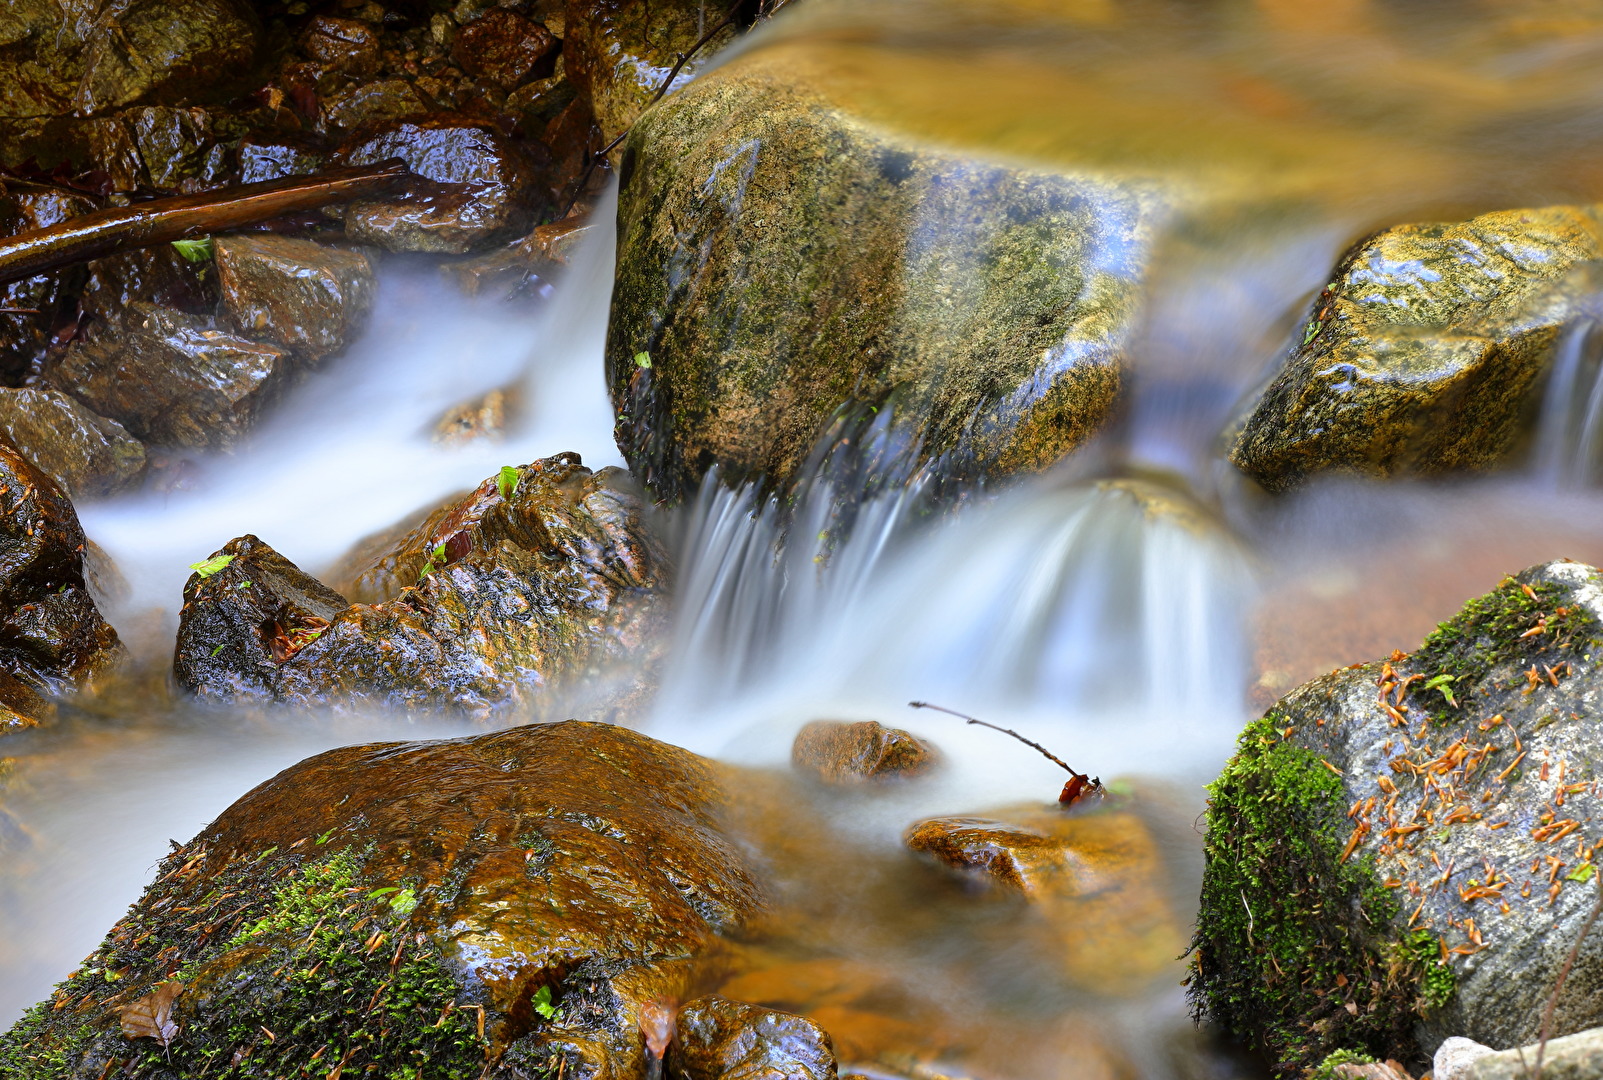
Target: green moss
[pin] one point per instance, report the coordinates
(1326, 1070)
(1294, 949)
(322, 969)
(1489, 631)
(1437, 981)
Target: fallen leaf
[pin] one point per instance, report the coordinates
(151, 1017)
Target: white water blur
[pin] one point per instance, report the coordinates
(1569, 433)
(349, 452)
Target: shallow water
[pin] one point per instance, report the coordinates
(1131, 609)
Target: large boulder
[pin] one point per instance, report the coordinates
(502, 906)
(1400, 850)
(1421, 354)
(541, 574)
(52, 637)
(167, 51)
(308, 297)
(778, 258)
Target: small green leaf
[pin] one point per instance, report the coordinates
(506, 482)
(1583, 872)
(217, 650)
(383, 892)
(1440, 682)
(324, 838)
(643, 359)
(1312, 330)
(197, 250)
(435, 560)
(207, 567)
(404, 902)
(542, 1003)
(243, 585)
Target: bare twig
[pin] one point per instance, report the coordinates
(19, 311)
(1563, 975)
(673, 73)
(1080, 784)
(161, 221)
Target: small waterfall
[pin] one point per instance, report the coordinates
(1569, 437)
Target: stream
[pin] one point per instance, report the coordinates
(1131, 608)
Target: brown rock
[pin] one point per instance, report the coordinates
(841, 752)
(522, 266)
(480, 187)
(480, 608)
(173, 379)
(165, 51)
(176, 145)
(38, 303)
(485, 417)
(21, 708)
(372, 104)
(348, 46)
(578, 865)
(308, 297)
(158, 276)
(86, 454)
(720, 1039)
(1097, 877)
(268, 157)
(51, 635)
(502, 47)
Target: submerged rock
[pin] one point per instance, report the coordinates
(542, 573)
(1398, 849)
(306, 296)
(719, 1039)
(1097, 878)
(778, 259)
(52, 637)
(488, 906)
(483, 187)
(85, 453)
(174, 379)
(1422, 353)
(840, 752)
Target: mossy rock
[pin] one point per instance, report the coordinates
(779, 259)
(1394, 854)
(499, 906)
(1422, 354)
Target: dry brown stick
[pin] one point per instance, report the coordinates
(161, 221)
(1049, 755)
(673, 73)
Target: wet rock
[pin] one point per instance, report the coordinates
(38, 304)
(157, 276)
(42, 60)
(1422, 353)
(52, 637)
(373, 104)
(1097, 878)
(263, 157)
(86, 454)
(485, 417)
(840, 752)
(719, 1039)
(539, 101)
(481, 607)
(308, 297)
(175, 146)
(21, 708)
(174, 379)
(167, 51)
(482, 190)
(618, 52)
(760, 290)
(502, 47)
(1395, 851)
(557, 877)
(524, 266)
(349, 46)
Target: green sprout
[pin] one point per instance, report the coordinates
(542, 1003)
(643, 359)
(198, 250)
(207, 567)
(506, 482)
(1440, 682)
(404, 902)
(435, 560)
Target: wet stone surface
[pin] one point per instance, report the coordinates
(308, 297)
(847, 753)
(86, 454)
(719, 1039)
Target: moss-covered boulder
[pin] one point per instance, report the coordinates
(1401, 850)
(1422, 353)
(544, 573)
(779, 258)
(501, 906)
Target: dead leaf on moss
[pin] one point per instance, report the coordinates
(151, 1017)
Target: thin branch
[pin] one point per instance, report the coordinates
(673, 73)
(1049, 755)
(161, 221)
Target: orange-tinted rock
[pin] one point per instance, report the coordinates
(308, 297)
(502, 47)
(841, 752)
(345, 45)
(373, 899)
(720, 1039)
(166, 51)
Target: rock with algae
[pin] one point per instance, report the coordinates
(1402, 850)
(779, 258)
(542, 573)
(1422, 353)
(845, 753)
(500, 906)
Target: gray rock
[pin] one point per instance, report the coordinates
(1573, 1057)
(86, 454)
(306, 296)
(173, 379)
(1412, 837)
(1455, 1056)
(1422, 353)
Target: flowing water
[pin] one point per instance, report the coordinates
(1130, 608)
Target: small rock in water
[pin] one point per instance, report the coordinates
(844, 753)
(305, 296)
(720, 1039)
(485, 417)
(502, 47)
(1404, 849)
(86, 454)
